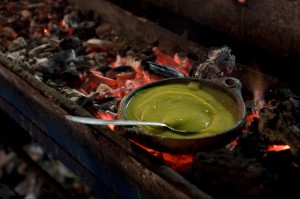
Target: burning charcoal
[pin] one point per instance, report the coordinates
(219, 63)
(107, 104)
(252, 144)
(280, 119)
(101, 61)
(85, 101)
(161, 70)
(71, 43)
(127, 71)
(102, 104)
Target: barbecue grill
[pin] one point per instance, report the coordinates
(166, 39)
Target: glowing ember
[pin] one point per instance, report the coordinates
(107, 116)
(278, 147)
(183, 66)
(250, 118)
(178, 162)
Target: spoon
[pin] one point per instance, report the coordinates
(96, 121)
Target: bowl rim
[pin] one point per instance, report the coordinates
(229, 85)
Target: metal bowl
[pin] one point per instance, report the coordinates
(187, 144)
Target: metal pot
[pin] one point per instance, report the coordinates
(186, 144)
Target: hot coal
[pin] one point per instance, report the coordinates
(164, 71)
(126, 71)
(280, 119)
(103, 104)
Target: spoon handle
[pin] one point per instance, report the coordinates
(96, 121)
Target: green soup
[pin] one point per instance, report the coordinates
(192, 107)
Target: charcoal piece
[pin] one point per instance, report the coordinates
(85, 101)
(161, 70)
(79, 62)
(71, 43)
(232, 174)
(85, 33)
(62, 58)
(115, 72)
(218, 62)
(57, 63)
(107, 104)
(280, 118)
(252, 144)
(101, 104)
(45, 66)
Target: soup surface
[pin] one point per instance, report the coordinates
(189, 106)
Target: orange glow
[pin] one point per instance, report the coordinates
(107, 116)
(176, 63)
(178, 162)
(128, 61)
(186, 63)
(46, 32)
(250, 118)
(232, 145)
(278, 147)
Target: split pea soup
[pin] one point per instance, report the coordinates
(191, 106)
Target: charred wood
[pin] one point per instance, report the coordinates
(217, 63)
(280, 118)
(163, 70)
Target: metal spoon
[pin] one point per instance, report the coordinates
(96, 121)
